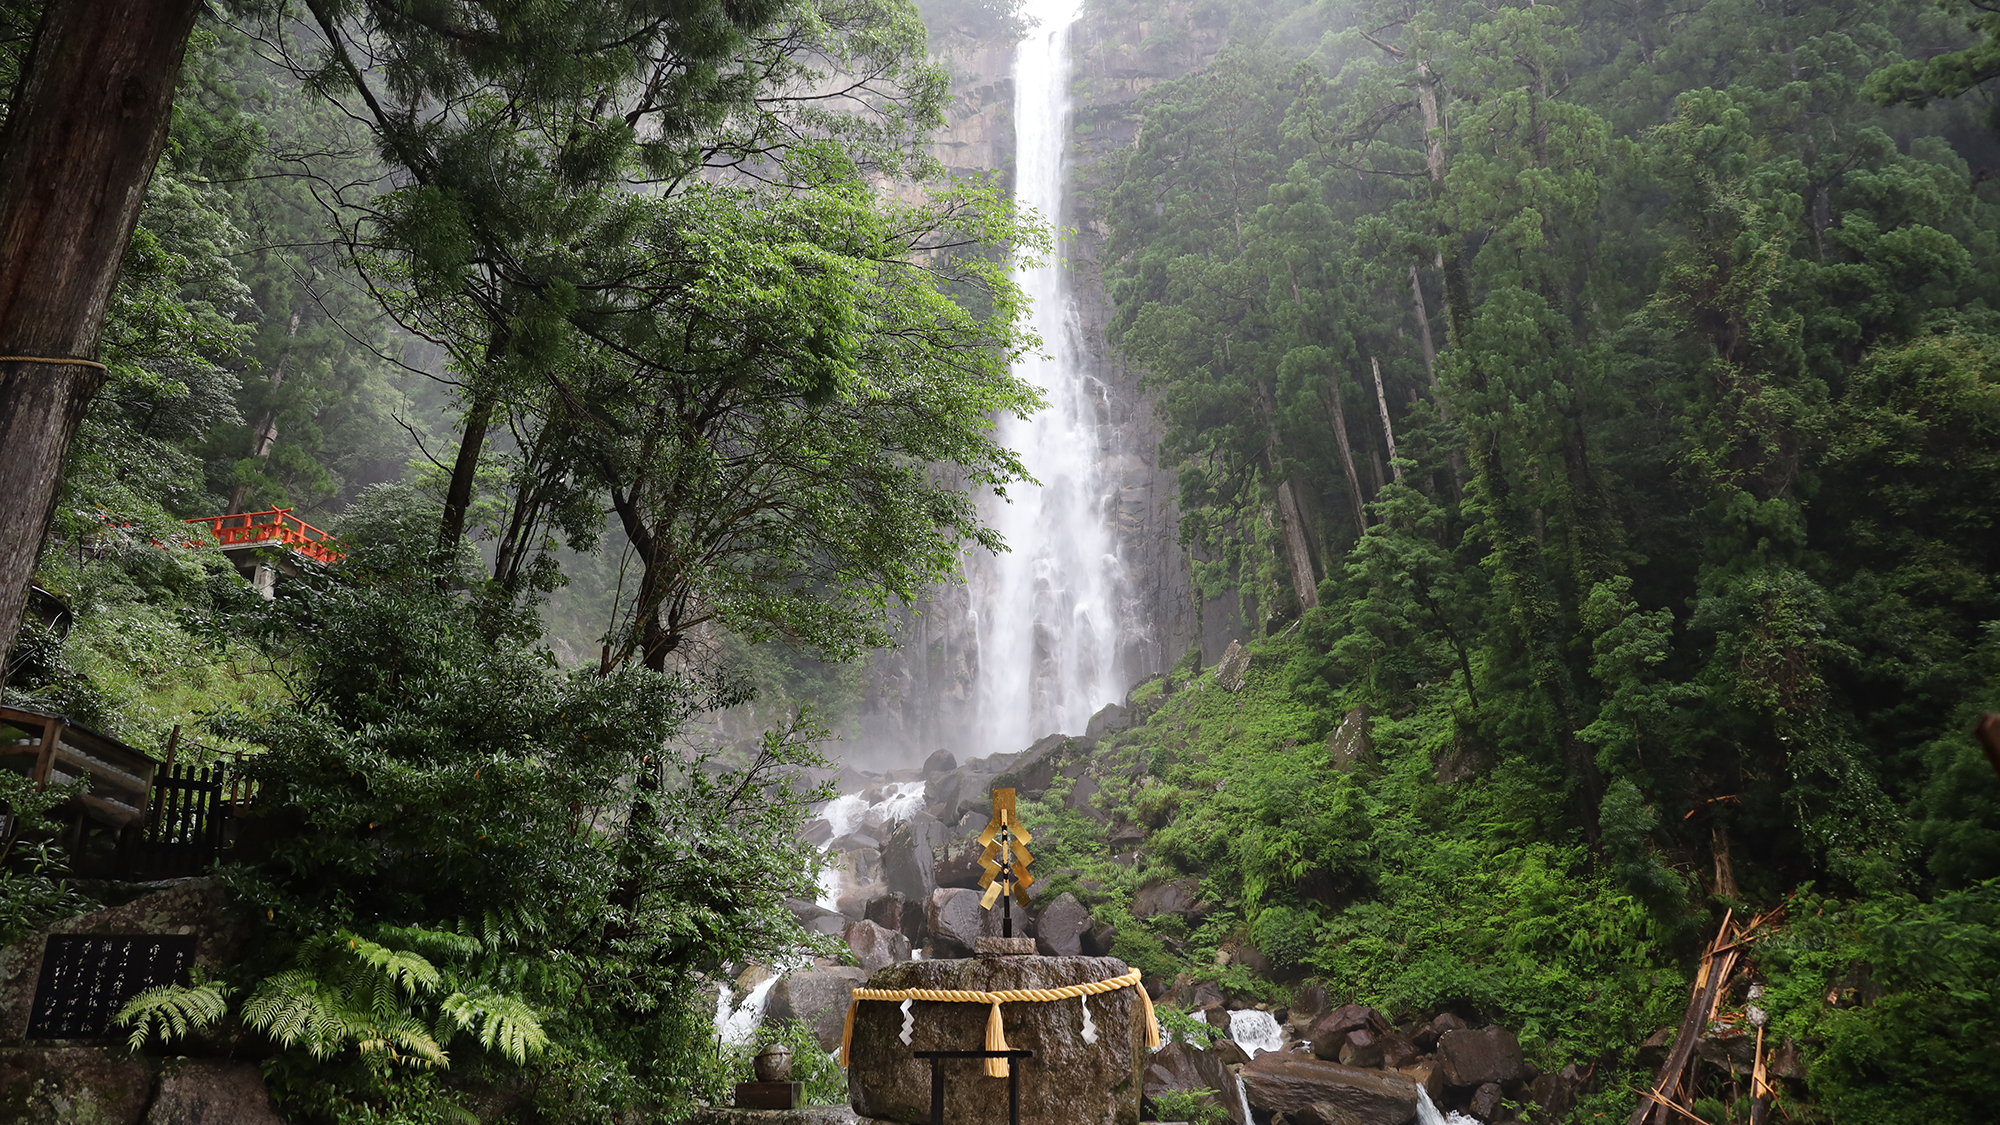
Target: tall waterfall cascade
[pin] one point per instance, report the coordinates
(1046, 612)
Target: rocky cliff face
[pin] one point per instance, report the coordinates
(920, 696)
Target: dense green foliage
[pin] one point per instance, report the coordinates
(1685, 348)
(645, 252)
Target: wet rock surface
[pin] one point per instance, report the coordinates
(1311, 1091)
(1061, 926)
(72, 1086)
(1068, 1082)
(212, 1092)
(817, 999)
(1475, 1058)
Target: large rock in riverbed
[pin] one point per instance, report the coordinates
(1067, 1082)
(1474, 1058)
(1309, 1091)
(817, 999)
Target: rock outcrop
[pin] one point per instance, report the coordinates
(1067, 1082)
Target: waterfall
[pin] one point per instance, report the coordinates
(1046, 611)
(1255, 1031)
(736, 1027)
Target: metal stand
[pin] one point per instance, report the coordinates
(937, 1080)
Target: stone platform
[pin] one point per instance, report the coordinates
(809, 1115)
(1067, 1082)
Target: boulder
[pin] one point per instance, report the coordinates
(1080, 799)
(955, 921)
(1329, 1034)
(1060, 927)
(907, 862)
(1031, 774)
(73, 1086)
(1474, 1058)
(956, 864)
(1180, 897)
(1427, 1036)
(1182, 1066)
(1352, 743)
(1486, 1101)
(1100, 939)
(1232, 669)
(1362, 1048)
(1067, 1081)
(1312, 1092)
(212, 1092)
(1397, 1050)
(1730, 1049)
(1557, 1093)
(181, 906)
(1110, 719)
(818, 832)
(943, 796)
(875, 947)
(1125, 837)
(816, 918)
(853, 902)
(898, 914)
(940, 761)
(817, 998)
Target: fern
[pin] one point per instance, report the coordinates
(400, 967)
(173, 1010)
(503, 1022)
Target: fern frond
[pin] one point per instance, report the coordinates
(295, 1007)
(438, 943)
(409, 970)
(503, 1022)
(403, 1040)
(173, 1010)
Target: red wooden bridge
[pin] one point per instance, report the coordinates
(275, 528)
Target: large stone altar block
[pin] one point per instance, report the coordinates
(1067, 1082)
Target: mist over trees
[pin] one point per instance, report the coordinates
(1601, 400)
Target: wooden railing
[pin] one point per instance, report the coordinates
(276, 528)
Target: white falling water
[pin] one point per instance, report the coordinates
(735, 1027)
(1046, 618)
(1255, 1031)
(857, 812)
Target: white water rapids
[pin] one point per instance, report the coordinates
(1046, 612)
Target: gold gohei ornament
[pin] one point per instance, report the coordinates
(1006, 859)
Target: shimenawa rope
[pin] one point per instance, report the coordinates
(57, 362)
(996, 1039)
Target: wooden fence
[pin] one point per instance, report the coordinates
(187, 823)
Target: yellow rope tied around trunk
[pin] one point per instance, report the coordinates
(56, 361)
(996, 1039)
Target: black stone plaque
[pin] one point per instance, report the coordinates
(86, 978)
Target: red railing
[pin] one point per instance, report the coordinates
(277, 528)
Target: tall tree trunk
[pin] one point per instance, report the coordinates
(1337, 417)
(1290, 517)
(83, 134)
(1388, 431)
(464, 474)
(264, 434)
(1424, 330)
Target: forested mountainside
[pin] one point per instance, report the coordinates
(1591, 412)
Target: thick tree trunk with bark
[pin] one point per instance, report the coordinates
(264, 433)
(1291, 518)
(81, 140)
(464, 474)
(1337, 417)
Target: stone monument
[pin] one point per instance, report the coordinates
(1079, 1028)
